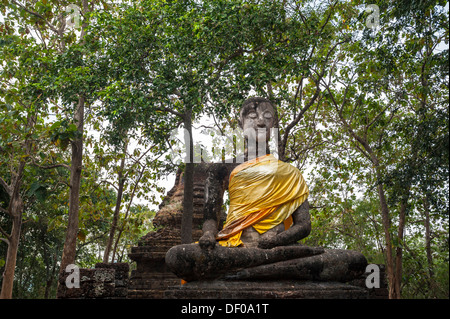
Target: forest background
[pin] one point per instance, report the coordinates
(92, 91)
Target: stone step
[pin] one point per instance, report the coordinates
(217, 289)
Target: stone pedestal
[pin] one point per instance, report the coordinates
(218, 289)
(281, 289)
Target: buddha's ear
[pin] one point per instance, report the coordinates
(239, 122)
(239, 118)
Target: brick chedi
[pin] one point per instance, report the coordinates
(151, 276)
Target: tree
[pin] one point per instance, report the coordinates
(373, 104)
(15, 204)
(423, 126)
(22, 104)
(65, 79)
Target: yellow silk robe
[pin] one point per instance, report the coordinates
(264, 192)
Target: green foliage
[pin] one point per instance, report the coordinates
(384, 121)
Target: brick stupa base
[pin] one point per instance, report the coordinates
(151, 277)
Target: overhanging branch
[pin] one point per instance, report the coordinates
(37, 15)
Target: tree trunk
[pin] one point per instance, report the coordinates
(387, 237)
(383, 205)
(121, 229)
(15, 211)
(426, 206)
(117, 209)
(50, 279)
(399, 250)
(70, 243)
(48, 286)
(188, 204)
(386, 226)
(16, 208)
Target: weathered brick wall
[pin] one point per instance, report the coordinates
(121, 277)
(108, 281)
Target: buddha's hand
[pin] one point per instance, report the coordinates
(267, 243)
(207, 241)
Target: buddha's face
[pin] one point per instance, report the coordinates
(257, 121)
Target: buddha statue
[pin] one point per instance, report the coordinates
(268, 215)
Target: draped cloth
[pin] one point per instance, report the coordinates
(263, 193)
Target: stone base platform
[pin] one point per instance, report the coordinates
(218, 289)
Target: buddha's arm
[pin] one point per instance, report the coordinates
(214, 189)
(299, 230)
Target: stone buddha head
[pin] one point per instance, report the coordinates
(257, 117)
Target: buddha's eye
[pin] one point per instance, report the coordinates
(252, 115)
(268, 115)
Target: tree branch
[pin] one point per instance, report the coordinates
(316, 93)
(225, 61)
(166, 109)
(375, 118)
(328, 17)
(297, 91)
(4, 210)
(37, 15)
(299, 117)
(6, 240)
(350, 130)
(358, 104)
(138, 160)
(52, 166)
(7, 188)
(108, 182)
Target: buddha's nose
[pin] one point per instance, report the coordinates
(261, 122)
